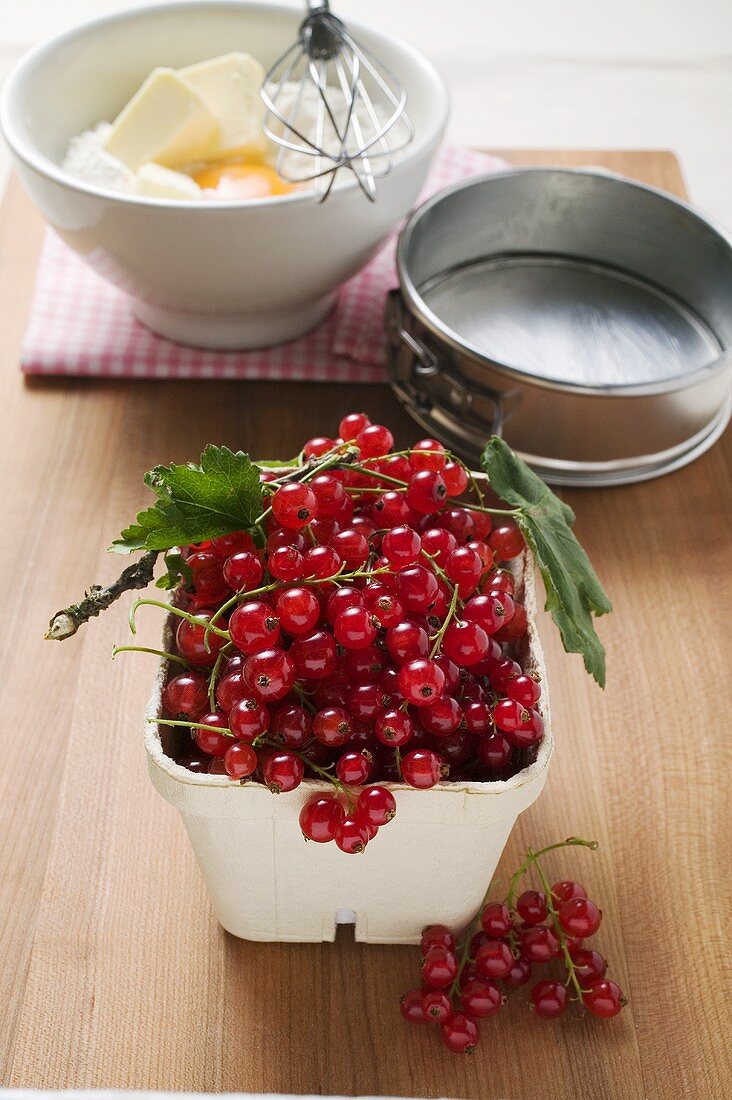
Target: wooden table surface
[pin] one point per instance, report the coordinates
(112, 969)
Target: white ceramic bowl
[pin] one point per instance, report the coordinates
(230, 274)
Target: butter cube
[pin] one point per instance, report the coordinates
(156, 182)
(165, 121)
(229, 86)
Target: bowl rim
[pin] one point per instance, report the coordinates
(45, 166)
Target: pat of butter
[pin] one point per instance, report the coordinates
(165, 121)
(156, 182)
(229, 86)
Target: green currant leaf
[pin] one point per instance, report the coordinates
(196, 502)
(178, 573)
(574, 593)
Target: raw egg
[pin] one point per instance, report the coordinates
(242, 180)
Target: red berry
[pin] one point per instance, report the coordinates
(549, 999)
(439, 543)
(566, 890)
(421, 682)
(196, 645)
(354, 628)
(377, 806)
(412, 1008)
(437, 935)
(590, 965)
(352, 835)
(464, 568)
(352, 547)
(439, 967)
(321, 562)
(437, 1005)
(460, 1033)
(442, 717)
(539, 944)
(240, 760)
(352, 424)
(285, 563)
(392, 509)
(319, 818)
(294, 505)
(509, 716)
(426, 492)
(407, 641)
(332, 727)
(604, 998)
(317, 446)
(293, 725)
(208, 581)
(211, 741)
(496, 920)
(465, 643)
(354, 768)
(422, 768)
(254, 626)
(493, 751)
(456, 478)
(506, 541)
(401, 546)
(524, 690)
(374, 440)
(283, 772)
(494, 959)
(243, 571)
(270, 674)
(579, 917)
(315, 655)
(365, 701)
(520, 973)
(226, 545)
(248, 719)
(186, 695)
(481, 997)
(478, 718)
(532, 907)
(393, 728)
(298, 610)
(418, 588)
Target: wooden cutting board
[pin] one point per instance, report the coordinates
(113, 972)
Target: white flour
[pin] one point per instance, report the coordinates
(86, 159)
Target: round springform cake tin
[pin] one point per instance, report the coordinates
(585, 317)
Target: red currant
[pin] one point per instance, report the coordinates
(426, 492)
(604, 998)
(506, 541)
(532, 907)
(422, 768)
(460, 1033)
(421, 682)
(319, 819)
(196, 645)
(270, 674)
(211, 741)
(494, 959)
(298, 610)
(481, 997)
(253, 626)
(283, 772)
(248, 719)
(186, 695)
(352, 424)
(376, 805)
(496, 920)
(439, 967)
(579, 917)
(549, 999)
(240, 760)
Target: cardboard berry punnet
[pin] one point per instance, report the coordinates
(432, 863)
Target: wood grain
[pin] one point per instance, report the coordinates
(113, 971)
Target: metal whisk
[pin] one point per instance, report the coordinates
(332, 105)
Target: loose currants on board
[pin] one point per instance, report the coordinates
(468, 978)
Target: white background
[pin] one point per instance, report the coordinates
(542, 73)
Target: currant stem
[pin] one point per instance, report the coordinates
(146, 649)
(191, 725)
(448, 619)
(175, 611)
(568, 960)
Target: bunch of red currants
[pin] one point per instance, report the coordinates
(465, 982)
(364, 630)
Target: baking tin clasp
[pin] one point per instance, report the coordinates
(412, 361)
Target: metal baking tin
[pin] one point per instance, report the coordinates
(585, 317)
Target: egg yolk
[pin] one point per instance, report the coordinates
(244, 180)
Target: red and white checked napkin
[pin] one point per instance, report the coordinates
(81, 325)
